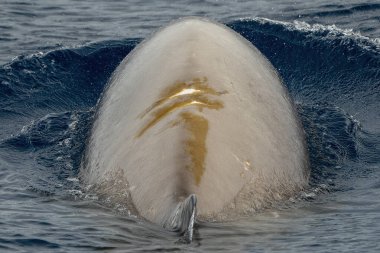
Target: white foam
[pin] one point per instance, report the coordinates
(333, 31)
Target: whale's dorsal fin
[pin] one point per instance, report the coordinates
(182, 218)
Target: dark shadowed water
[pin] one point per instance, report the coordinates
(56, 58)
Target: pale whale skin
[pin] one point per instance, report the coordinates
(196, 109)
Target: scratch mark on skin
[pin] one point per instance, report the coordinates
(181, 95)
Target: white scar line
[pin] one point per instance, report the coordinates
(186, 92)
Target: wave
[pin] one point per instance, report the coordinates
(322, 64)
(330, 32)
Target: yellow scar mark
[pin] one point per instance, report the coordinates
(196, 144)
(180, 95)
(197, 86)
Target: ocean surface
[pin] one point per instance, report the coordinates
(56, 58)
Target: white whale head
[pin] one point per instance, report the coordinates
(196, 110)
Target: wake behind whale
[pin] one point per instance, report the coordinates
(195, 123)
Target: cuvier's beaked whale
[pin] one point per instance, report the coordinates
(195, 121)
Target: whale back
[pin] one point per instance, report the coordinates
(196, 109)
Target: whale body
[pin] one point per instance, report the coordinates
(195, 121)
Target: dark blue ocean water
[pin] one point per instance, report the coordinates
(56, 58)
